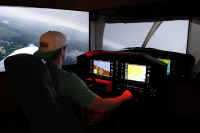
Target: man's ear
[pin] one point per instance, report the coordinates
(61, 51)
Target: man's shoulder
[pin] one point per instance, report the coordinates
(65, 73)
(56, 71)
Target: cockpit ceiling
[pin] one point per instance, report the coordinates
(86, 5)
(151, 12)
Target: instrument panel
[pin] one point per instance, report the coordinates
(141, 74)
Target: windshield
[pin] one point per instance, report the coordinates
(170, 36)
(117, 36)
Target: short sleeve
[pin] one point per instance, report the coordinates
(79, 92)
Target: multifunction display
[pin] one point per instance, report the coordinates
(135, 72)
(168, 62)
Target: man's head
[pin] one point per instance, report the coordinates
(53, 45)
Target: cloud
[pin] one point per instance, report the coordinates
(6, 22)
(74, 53)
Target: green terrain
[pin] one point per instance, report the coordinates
(4, 32)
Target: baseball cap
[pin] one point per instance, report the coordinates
(50, 42)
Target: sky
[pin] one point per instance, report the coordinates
(67, 18)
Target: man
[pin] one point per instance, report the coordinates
(53, 49)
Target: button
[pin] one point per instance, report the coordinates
(136, 100)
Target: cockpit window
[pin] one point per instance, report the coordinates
(118, 36)
(170, 36)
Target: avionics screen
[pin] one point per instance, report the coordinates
(168, 62)
(135, 72)
(101, 67)
(21, 28)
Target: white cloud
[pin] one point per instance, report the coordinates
(5, 22)
(74, 53)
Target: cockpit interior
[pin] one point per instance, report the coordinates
(150, 48)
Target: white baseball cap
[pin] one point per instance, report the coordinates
(50, 42)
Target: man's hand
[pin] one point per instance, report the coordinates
(127, 95)
(101, 105)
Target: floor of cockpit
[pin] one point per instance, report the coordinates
(15, 122)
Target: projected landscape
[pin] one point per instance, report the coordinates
(22, 27)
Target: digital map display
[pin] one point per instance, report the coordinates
(135, 72)
(101, 67)
(168, 62)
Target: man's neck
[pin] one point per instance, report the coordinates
(56, 62)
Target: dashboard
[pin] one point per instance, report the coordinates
(114, 72)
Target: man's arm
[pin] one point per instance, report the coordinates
(101, 105)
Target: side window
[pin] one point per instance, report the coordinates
(171, 36)
(194, 47)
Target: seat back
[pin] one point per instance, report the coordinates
(46, 110)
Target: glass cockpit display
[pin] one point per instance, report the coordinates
(168, 62)
(101, 68)
(135, 72)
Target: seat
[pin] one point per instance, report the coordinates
(46, 110)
